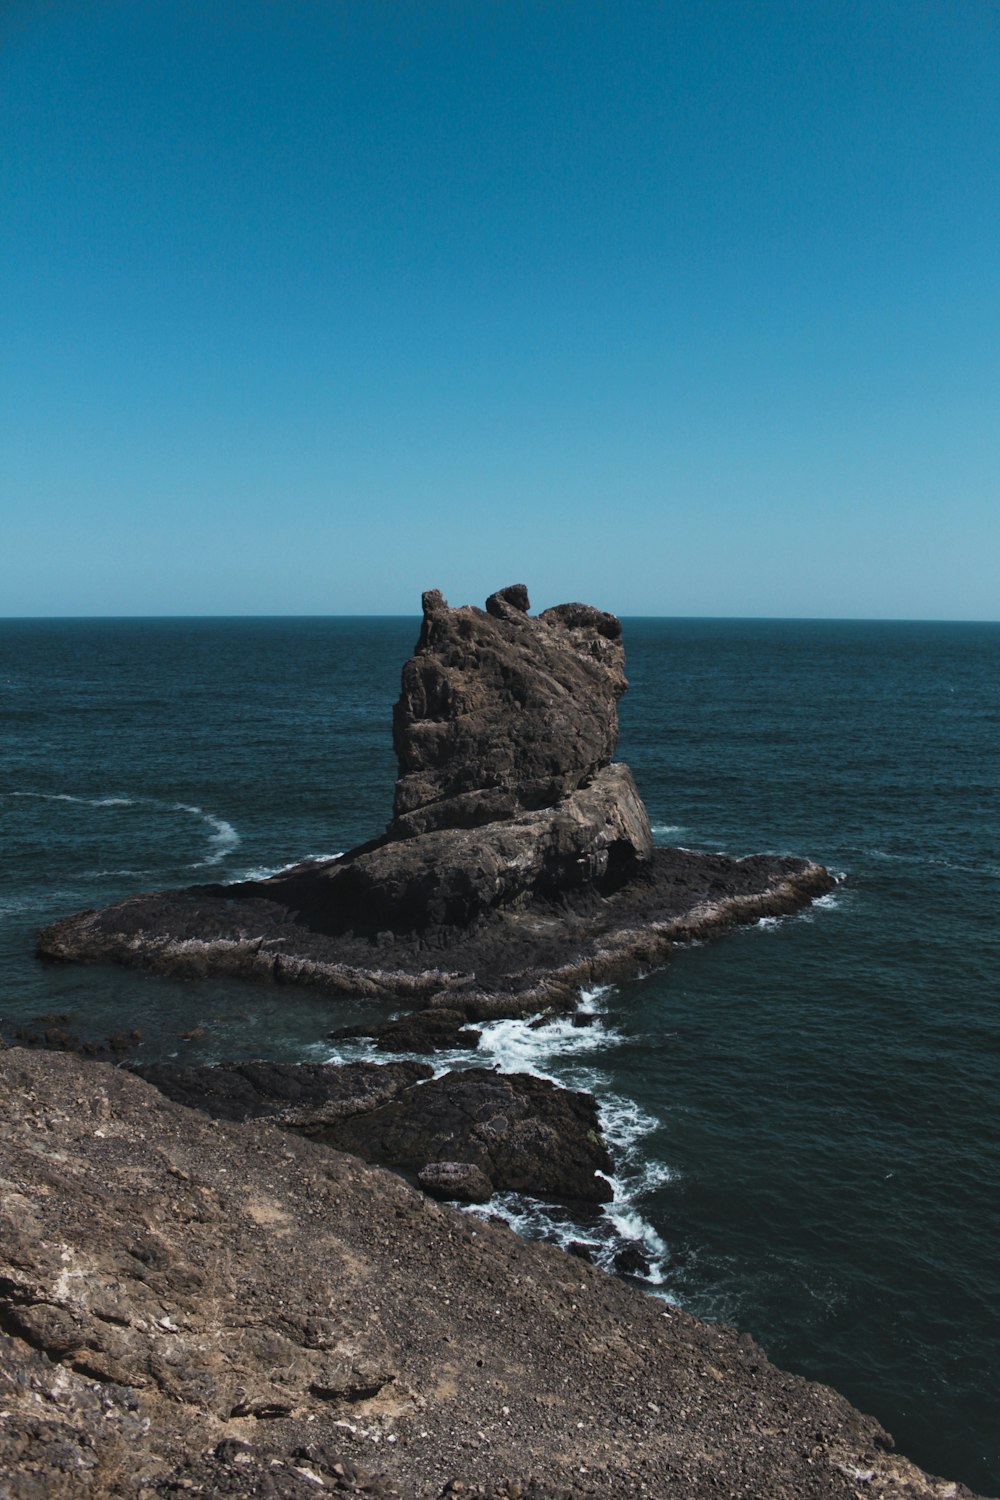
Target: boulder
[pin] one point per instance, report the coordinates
(525, 1134)
(455, 1182)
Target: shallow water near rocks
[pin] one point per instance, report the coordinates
(803, 1113)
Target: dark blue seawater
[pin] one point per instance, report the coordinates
(805, 1112)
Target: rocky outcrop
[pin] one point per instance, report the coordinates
(518, 863)
(302, 1096)
(420, 1031)
(190, 1306)
(520, 1133)
(525, 1134)
(500, 713)
(505, 730)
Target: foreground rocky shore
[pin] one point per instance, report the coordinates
(192, 1306)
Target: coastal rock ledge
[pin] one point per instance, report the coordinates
(518, 864)
(194, 1307)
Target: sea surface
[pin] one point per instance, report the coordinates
(805, 1113)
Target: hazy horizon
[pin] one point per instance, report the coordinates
(416, 616)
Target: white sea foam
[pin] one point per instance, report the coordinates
(604, 1236)
(222, 839)
(624, 1122)
(831, 901)
(518, 1046)
(592, 1000)
(357, 1049)
(82, 801)
(266, 872)
(665, 830)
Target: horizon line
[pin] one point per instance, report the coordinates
(391, 615)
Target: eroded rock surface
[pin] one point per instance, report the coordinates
(521, 1134)
(190, 1306)
(505, 730)
(501, 713)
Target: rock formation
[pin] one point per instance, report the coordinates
(520, 1134)
(193, 1307)
(505, 730)
(518, 863)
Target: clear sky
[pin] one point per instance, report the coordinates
(675, 306)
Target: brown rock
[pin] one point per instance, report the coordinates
(524, 1134)
(190, 1306)
(500, 713)
(455, 1181)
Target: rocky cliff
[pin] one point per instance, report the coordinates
(193, 1307)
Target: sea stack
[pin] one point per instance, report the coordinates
(505, 730)
(518, 863)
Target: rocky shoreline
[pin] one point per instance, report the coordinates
(231, 1305)
(514, 963)
(193, 1306)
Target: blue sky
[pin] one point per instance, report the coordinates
(680, 308)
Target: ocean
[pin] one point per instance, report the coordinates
(804, 1113)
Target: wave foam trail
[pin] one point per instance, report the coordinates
(265, 872)
(221, 841)
(82, 801)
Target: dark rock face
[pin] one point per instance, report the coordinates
(521, 1134)
(525, 1134)
(501, 713)
(455, 1182)
(299, 1095)
(424, 1031)
(504, 729)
